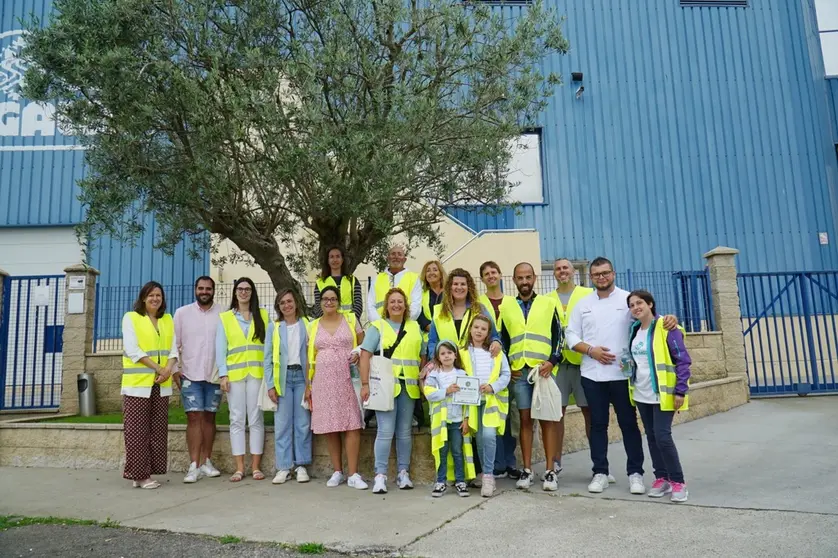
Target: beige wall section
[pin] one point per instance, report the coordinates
(463, 249)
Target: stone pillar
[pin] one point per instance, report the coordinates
(78, 332)
(724, 289)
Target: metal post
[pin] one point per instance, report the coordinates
(810, 340)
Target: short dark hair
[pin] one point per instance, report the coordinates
(491, 264)
(205, 278)
(602, 261)
(645, 296)
(139, 304)
(515, 270)
(280, 295)
(326, 289)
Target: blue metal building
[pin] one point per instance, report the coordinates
(698, 126)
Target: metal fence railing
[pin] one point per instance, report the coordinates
(684, 293)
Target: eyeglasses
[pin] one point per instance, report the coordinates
(329, 300)
(602, 274)
(244, 290)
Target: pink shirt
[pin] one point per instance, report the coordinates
(195, 333)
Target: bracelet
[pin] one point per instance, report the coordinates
(588, 352)
(365, 384)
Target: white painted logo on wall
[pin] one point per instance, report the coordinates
(19, 117)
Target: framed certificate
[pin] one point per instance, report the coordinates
(469, 393)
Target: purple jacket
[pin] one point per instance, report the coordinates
(678, 352)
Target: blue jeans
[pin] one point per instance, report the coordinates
(658, 425)
(455, 445)
(522, 391)
(292, 424)
(487, 439)
(399, 421)
(200, 396)
(600, 396)
(505, 449)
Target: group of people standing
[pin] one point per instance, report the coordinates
(602, 347)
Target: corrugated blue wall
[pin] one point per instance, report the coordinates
(832, 88)
(697, 127)
(38, 177)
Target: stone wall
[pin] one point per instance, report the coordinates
(708, 355)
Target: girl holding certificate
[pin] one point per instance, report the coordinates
(450, 428)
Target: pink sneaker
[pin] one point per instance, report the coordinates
(679, 492)
(660, 488)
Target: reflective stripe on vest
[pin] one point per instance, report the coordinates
(245, 355)
(155, 343)
(347, 290)
(405, 358)
(568, 354)
(530, 339)
(497, 404)
(382, 285)
(312, 334)
(665, 378)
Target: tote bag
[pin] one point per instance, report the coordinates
(546, 397)
(382, 382)
(264, 401)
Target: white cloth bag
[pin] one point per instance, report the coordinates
(546, 397)
(264, 401)
(382, 383)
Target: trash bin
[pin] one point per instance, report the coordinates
(87, 398)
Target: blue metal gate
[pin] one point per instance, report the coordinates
(31, 333)
(791, 331)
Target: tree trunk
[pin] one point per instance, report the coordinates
(266, 254)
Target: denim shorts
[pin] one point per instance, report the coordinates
(522, 392)
(200, 396)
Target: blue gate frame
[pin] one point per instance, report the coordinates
(790, 322)
(31, 342)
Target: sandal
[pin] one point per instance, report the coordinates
(237, 476)
(258, 475)
(147, 484)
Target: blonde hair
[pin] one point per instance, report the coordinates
(447, 299)
(386, 311)
(486, 342)
(422, 276)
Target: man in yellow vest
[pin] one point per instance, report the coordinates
(569, 377)
(395, 276)
(531, 331)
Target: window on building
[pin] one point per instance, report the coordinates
(828, 26)
(714, 3)
(525, 169)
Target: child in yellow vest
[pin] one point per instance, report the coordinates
(450, 431)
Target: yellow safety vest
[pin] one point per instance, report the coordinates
(578, 294)
(244, 356)
(406, 356)
(155, 343)
(382, 285)
(497, 404)
(507, 300)
(446, 329)
(276, 354)
(312, 334)
(665, 378)
(439, 436)
(530, 340)
(347, 290)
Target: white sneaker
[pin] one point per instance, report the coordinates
(281, 476)
(194, 474)
(611, 479)
(302, 474)
(550, 483)
(636, 485)
(526, 480)
(403, 481)
(598, 483)
(210, 470)
(336, 480)
(356, 482)
(557, 468)
(380, 486)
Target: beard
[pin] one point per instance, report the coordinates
(605, 287)
(205, 299)
(525, 290)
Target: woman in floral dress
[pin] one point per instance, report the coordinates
(331, 395)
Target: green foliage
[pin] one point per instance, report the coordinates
(9, 521)
(229, 539)
(176, 416)
(334, 122)
(311, 548)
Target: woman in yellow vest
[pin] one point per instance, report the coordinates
(432, 278)
(335, 409)
(240, 356)
(401, 340)
(149, 357)
(658, 385)
(494, 375)
(334, 271)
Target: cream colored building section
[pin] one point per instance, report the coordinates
(463, 248)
